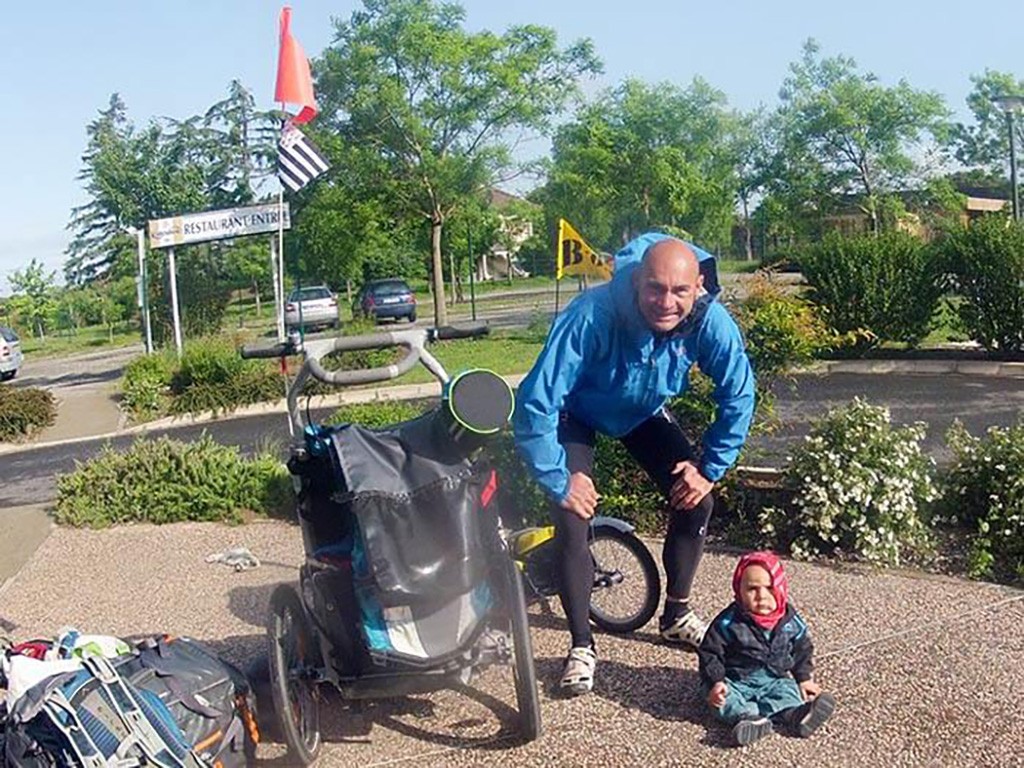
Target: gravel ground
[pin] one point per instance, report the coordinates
(926, 669)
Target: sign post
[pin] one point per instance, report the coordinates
(217, 225)
(175, 314)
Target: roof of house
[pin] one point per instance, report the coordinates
(499, 198)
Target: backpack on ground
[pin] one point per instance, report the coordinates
(211, 699)
(170, 702)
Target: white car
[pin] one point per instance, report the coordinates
(10, 353)
(316, 306)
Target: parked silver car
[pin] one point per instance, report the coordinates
(316, 306)
(10, 353)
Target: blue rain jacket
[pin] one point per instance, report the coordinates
(604, 365)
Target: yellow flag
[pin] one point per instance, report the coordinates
(575, 257)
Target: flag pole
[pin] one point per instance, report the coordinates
(280, 248)
(558, 262)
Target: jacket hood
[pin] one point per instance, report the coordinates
(628, 259)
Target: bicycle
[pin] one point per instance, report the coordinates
(408, 585)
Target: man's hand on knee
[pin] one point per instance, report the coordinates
(690, 486)
(582, 497)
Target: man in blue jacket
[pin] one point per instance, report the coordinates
(612, 360)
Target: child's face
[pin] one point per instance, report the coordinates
(756, 591)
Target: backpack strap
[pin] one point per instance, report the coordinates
(142, 731)
(64, 718)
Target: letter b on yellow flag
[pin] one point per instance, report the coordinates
(575, 257)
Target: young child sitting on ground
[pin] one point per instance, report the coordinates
(755, 659)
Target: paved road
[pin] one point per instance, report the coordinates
(77, 370)
(27, 477)
(978, 401)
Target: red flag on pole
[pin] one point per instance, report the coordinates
(294, 81)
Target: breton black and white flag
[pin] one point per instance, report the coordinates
(298, 159)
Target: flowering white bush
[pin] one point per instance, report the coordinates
(984, 490)
(859, 485)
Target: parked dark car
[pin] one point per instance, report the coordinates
(385, 299)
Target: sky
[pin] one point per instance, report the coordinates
(62, 59)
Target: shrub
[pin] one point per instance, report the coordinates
(166, 481)
(986, 262)
(24, 410)
(984, 491)
(858, 486)
(212, 376)
(884, 288)
(144, 386)
(781, 331)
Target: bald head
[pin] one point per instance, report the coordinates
(671, 251)
(667, 284)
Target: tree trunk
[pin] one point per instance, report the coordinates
(440, 310)
(256, 293)
(451, 271)
(748, 236)
(508, 265)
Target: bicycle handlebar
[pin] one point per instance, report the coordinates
(281, 349)
(413, 339)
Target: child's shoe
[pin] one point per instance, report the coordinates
(809, 717)
(748, 731)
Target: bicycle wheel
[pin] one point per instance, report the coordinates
(627, 585)
(523, 670)
(291, 654)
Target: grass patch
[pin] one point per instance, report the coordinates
(737, 266)
(95, 337)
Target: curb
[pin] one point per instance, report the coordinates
(961, 367)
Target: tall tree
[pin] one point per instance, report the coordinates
(644, 156)
(242, 146)
(847, 135)
(985, 145)
(750, 149)
(130, 177)
(440, 105)
(177, 166)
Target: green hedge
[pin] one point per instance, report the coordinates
(882, 288)
(24, 411)
(986, 261)
(166, 481)
(210, 376)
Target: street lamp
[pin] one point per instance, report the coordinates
(1011, 105)
(140, 236)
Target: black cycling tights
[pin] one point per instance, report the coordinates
(657, 445)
